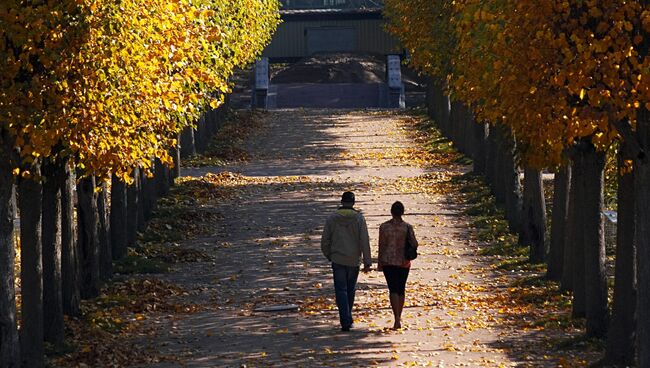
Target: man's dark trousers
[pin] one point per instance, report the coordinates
(345, 284)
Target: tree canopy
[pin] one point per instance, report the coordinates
(554, 72)
(112, 84)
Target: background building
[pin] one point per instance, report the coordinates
(341, 4)
(313, 26)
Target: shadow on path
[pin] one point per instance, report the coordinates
(266, 252)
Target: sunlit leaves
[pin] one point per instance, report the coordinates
(113, 85)
(552, 71)
(423, 28)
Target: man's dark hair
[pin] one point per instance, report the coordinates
(347, 197)
(397, 209)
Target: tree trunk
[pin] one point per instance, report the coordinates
(70, 253)
(188, 143)
(566, 281)
(217, 116)
(471, 145)
(451, 126)
(104, 229)
(446, 111)
(442, 109)
(133, 202)
(533, 227)
(577, 237)
(462, 132)
(142, 201)
(52, 285)
(430, 99)
(490, 156)
(149, 192)
(642, 238)
(176, 155)
(621, 334)
(456, 126)
(31, 255)
(161, 181)
(499, 181)
(210, 123)
(88, 223)
(480, 150)
(165, 174)
(9, 345)
(153, 194)
(562, 183)
(118, 218)
(512, 185)
(436, 105)
(594, 241)
(201, 134)
(442, 114)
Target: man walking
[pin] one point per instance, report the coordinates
(344, 240)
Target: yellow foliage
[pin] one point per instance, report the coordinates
(552, 71)
(112, 84)
(423, 28)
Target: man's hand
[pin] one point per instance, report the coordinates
(366, 269)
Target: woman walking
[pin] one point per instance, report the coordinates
(393, 235)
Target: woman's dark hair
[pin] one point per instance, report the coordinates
(397, 209)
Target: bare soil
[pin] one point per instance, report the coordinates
(341, 68)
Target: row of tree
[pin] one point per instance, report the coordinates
(94, 92)
(552, 85)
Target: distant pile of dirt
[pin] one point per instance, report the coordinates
(339, 68)
(333, 68)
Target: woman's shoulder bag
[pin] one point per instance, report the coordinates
(410, 251)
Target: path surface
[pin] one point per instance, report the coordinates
(267, 252)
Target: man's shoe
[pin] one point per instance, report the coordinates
(345, 329)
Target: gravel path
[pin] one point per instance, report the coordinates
(267, 252)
